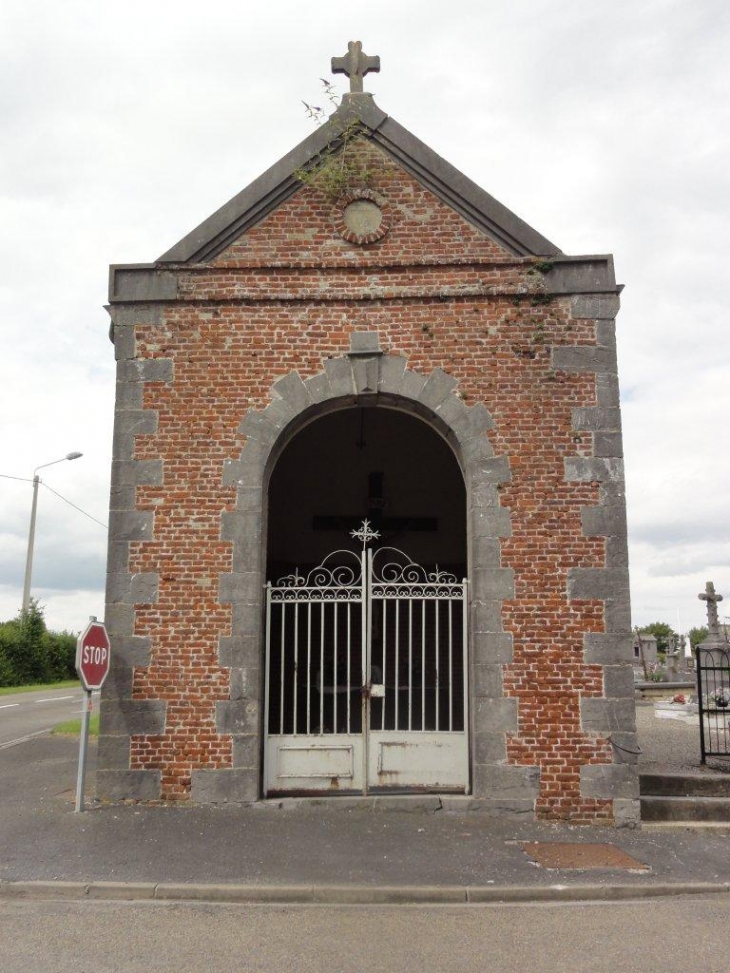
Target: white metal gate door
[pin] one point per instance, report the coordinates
(417, 723)
(366, 677)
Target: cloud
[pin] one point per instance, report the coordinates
(602, 124)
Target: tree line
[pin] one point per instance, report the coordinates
(30, 654)
(666, 636)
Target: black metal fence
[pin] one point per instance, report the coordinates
(713, 696)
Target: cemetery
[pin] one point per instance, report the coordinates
(683, 728)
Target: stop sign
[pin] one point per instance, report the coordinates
(93, 655)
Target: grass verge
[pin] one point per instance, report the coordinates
(37, 687)
(73, 727)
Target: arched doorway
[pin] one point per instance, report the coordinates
(366, 635)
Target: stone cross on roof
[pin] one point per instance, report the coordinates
(711, 597)
(355, 65)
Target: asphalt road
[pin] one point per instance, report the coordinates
(24, 714)
(650, 936)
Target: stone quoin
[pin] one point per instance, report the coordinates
(403, 349)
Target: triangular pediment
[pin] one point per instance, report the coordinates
(282, 181)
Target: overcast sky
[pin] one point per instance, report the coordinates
(603, 123)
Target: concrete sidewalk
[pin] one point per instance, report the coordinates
(317, 852)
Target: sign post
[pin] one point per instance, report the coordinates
(93, 656)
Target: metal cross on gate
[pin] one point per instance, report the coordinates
(355, 65)
(365, 534)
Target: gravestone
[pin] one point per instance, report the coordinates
(646, 656)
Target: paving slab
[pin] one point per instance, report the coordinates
(583, 855)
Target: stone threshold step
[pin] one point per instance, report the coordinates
(413, 803)
(684, 785)
(685, 809)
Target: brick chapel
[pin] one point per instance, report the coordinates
(368, 529)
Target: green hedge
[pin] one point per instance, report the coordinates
(30, 654)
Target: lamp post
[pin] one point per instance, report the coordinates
(31, 532)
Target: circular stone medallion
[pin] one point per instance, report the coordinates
(361, 218)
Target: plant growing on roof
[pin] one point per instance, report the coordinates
(342, 167)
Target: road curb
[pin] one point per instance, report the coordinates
(352, 894)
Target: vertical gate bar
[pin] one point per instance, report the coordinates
(423, 664)
(349, 649)
(465, 668)
(708, 678)
(724, 660)
(334, 670)
(438, 651)
(724, 673)
(309, 664)
(715, 745)
(281, 673)
(267, 680)
(703, 756)
(717, 683)
(321, 667)
(410, 664)
(382, 712)
(710, 682)
(366, 562)
(717, 719)
(397, 659)
(722, 718)
(451, 666)
(710, 697)
(296, 664)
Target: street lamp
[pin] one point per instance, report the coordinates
(31, 532)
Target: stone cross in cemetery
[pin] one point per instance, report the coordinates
(673, 651)
(710, 596)
(713, 652)
(355, 65)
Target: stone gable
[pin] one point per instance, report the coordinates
(422, 228)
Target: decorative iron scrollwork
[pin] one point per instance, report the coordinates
(396, 575)
(332, 580)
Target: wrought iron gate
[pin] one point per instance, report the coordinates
(366, 676)
(713, 697)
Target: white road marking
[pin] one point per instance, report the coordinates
(29, 736)
(53, 699)
(8, 705)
